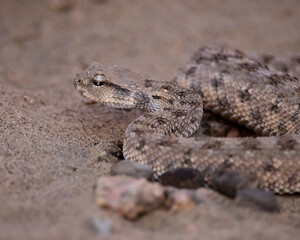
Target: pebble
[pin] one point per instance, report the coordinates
(233, 132)
(101, 226)
(183, 178)
(28, 99)
(229, 182)
(178, 200)
(257, 198)
(61, 5)
(132, 197)
(128, 196)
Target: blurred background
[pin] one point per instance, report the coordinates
(43, 41)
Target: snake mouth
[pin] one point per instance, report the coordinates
(80, 89)
(84, 92)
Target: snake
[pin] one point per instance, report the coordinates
(226, 82)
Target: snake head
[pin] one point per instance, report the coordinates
(102, 86)
(121, 88)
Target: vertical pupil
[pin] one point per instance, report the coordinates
(98, 80)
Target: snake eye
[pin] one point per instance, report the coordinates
(98, 80)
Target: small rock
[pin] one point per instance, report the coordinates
(132, 197)
(28, 99)
(61, 5)
(183, 178)
(131, 169)
(101, 1)
(178, 200)
(128, 196)
(89, 102)
(233, 132)
(257, 198)
(101, 226)
(229, 182)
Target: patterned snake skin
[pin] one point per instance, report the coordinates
(225, 82)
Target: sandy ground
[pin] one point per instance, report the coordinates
(49, 139)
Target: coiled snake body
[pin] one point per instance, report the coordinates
(225, 82)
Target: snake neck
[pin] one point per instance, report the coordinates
(179, 119)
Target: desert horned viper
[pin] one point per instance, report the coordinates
(225, 82)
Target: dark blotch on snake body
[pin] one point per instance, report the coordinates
(224, 102)
(179, 113)
(171, 101)
(166, 87)
(148, 83)
(119, 90)
(217, 82)
(191, 71)
(293, 179)
(287, 143)
(274, 108)
(251, 67)
(295, 116)
(212, 144)
(156, 97)
(257, 115)
(281, 127)
(268, 166)
(251, 144)
(274, 79)
(142, 96)
(244, 95)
